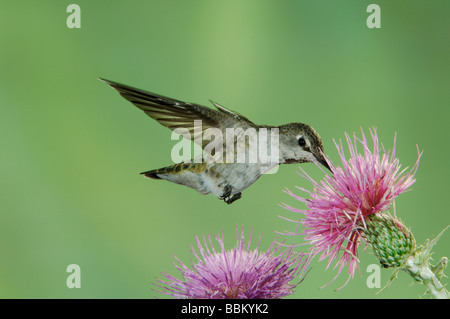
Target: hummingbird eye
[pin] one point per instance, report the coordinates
(301, 141)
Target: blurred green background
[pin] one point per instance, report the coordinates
(72, 148)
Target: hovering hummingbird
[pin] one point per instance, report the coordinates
(297, 143)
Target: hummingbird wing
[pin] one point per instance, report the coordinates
(235, 115)
(176, 114)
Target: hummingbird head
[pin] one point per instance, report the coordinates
(300, 143)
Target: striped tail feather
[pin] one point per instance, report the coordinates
(152, 174)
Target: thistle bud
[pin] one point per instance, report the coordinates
(391, 241)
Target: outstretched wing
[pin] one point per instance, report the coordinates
(176, 114)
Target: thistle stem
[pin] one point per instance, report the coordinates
(419, 270)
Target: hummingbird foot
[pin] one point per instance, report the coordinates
(226, 196)
(233, 198)
(226, 193)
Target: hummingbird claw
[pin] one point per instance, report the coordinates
(233, 198)
(226, 193)
(226, 196)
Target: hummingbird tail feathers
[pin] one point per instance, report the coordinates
(187, 174)
(151, 174)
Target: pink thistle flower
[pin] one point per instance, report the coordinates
(239, 273)
(365, 185)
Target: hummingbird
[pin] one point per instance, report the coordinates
(297, 143)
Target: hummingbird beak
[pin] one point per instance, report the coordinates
(324, 163)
